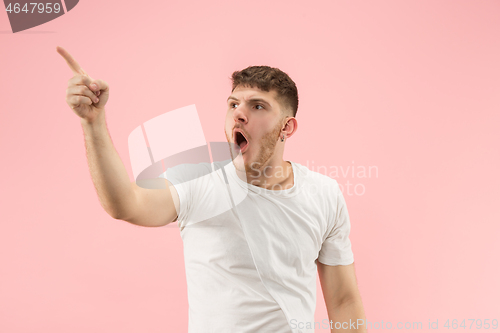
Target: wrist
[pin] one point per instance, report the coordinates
(98, 120)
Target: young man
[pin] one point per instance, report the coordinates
(255, 227)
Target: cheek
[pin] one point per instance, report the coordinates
(229, 118)
(228, 128)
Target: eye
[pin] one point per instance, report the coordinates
(232, 104)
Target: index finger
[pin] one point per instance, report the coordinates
(70, 60)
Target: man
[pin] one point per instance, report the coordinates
(255, 228)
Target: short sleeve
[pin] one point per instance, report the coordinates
(185, 178)
(336, 248)
(201, 192)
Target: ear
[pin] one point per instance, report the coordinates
(289, 126)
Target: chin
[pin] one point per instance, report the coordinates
(242, 162)
(239, 162)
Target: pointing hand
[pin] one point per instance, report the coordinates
(85, 96)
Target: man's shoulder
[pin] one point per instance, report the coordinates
(315, 177)
(184, 172)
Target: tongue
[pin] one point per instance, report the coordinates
(243, 144)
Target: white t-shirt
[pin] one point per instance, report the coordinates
(250, 253)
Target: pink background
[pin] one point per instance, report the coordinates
(411, 87)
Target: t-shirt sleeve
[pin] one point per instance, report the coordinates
(185, 178)
(336, 248)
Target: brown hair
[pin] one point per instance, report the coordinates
(269, 78)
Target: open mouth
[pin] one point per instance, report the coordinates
(240, 140)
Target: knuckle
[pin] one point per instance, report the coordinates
(101, 83)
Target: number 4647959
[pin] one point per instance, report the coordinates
(40, 8)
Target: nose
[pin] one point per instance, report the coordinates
(240, 114)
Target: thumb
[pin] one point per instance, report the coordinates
(97, 85)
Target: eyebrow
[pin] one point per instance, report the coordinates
(251, 100)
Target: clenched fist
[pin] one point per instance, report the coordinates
(85, 96)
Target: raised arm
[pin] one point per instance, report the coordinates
(154, 202)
